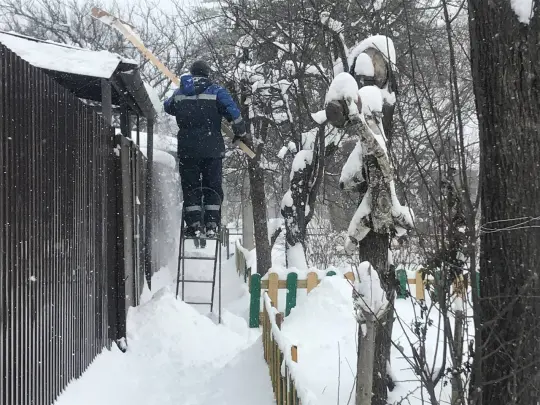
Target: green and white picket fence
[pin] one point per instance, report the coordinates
(273, 284)
(280, 359)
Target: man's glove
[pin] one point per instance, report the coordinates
(239, 129)
(241, 137)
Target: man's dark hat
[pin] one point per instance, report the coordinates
(200, 68)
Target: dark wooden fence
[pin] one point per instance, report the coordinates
(71, 234)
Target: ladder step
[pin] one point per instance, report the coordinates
(195, 281)
(198, 257)
(201, 238)
(198, 303)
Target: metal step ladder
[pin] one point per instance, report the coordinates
(181, 273)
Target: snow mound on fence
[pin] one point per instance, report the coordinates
(302, 274)
(323, 328)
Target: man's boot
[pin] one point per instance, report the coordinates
(193, 230)
(211, 229)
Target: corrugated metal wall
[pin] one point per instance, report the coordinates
(64, 269)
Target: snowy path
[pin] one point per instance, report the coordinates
(178, 355)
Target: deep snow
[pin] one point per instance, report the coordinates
(324, 329)
(177, 354)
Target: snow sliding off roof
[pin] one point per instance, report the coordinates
(64, 58)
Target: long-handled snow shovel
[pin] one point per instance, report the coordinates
(126, 30)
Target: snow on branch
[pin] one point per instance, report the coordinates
(523, 10)
(364, 65)
(302, 159)
(351, 173)
(345, 88)
(333, 24)
(359, 225)
(282, 152)
(372, 100)
(308, 139)
(243, 43)
(287, 200)
(319, 117)
(403, 216)
(382, 43)
(369, 297)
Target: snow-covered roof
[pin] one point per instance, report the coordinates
(63, 58)
(154, 98)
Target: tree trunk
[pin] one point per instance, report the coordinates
(257, 190)
(260, 222)
(364, 366)
(248, 233)
(374, 249)
(295, 218)
(505, 63)
(457, 384)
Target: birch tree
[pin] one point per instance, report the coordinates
(380, 215)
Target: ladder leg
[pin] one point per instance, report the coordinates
(180, 252)
(183, 266)
(219, 287)
(214, 277)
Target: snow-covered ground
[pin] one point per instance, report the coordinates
(179, 355)
(324, 329)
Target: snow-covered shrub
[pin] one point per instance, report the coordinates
(324, 248)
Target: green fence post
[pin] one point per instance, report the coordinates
(403, 283)
(292, 285)
(331, 273)
(255, 300)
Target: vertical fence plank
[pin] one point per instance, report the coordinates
(312, 281)
(292, 283)
(273, 288)
(18, 144)
(26, 131)
(284, 386)
(56, 260)
(419, 286)
(402, 279)
(39, 117)
(255, 302)
(294, 353)
(3, 243)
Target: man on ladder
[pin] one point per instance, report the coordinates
(199, 106)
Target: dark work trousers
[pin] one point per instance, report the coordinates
(201, 184)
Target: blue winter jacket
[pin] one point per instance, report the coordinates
(199, 105)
